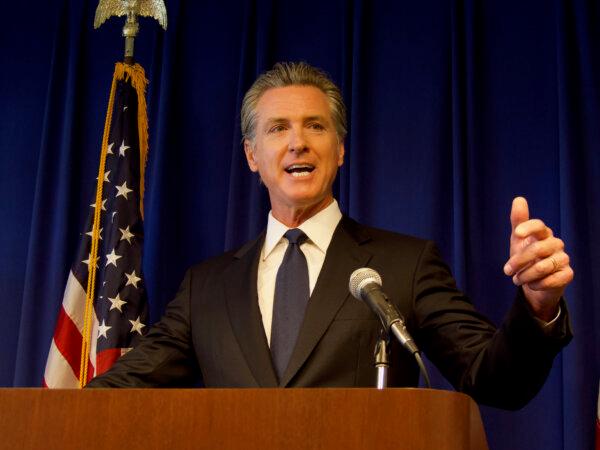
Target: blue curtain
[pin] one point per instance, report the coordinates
(455, 106)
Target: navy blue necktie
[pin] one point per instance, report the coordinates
(291, 296)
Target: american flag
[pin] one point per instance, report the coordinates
(120, 309)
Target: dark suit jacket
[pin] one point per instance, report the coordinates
(213, 330)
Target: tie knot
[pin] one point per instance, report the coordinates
(295, 236)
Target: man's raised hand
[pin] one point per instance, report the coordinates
(537, 262)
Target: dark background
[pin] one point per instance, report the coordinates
(455, 107)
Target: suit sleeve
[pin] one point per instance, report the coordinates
(503, 367)
(164, 357)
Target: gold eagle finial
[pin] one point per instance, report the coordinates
(132, 9)
(146, 8)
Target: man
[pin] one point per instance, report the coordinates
(245, 319)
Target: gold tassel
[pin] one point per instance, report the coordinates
(135, 74)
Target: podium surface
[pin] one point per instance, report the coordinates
(250, 419)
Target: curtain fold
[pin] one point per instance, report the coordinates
(578, 98)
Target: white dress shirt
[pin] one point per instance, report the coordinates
(319, 230)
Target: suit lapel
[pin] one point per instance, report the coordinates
(344, 255)
(244, 313)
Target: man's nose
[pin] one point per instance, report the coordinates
(297, 142)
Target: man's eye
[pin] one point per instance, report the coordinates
(276, 129)
(316, 126)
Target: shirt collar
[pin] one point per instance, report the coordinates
(319, 228)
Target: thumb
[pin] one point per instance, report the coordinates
(519, 212)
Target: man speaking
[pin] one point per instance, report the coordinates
(277, 312)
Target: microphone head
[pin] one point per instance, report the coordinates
(360, 278)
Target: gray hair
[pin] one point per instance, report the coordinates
(292, 74)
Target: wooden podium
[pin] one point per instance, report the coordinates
(250, 419)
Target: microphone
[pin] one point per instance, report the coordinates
(365, 285)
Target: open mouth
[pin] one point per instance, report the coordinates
(300, 170)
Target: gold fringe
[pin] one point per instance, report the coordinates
(136, 75)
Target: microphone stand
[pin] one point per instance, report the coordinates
(382, 360)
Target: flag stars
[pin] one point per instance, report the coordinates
(123, 190)
(116, 303)
(132, 279)
(93, 205)
(122, 149)
(111, 258)
(126, 235)
(106, 180)
(136, 325)
(87, 261)
(91, 233)
(109, 149)
(102, 330)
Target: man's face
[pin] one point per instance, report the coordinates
(296, 149)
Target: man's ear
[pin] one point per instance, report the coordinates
(341, 153)
(250, 155)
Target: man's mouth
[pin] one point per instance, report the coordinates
(300, 170)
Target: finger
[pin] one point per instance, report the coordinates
(533, 227)
(533, 252)
(519, 212)
(557, 280)
(542, 268)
